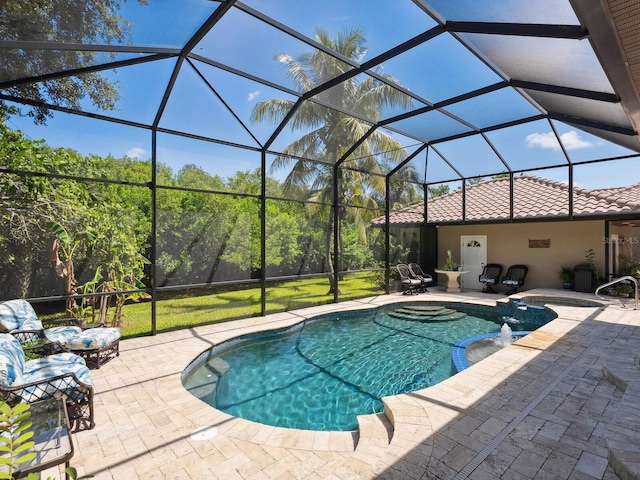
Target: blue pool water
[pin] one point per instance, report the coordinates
(321, 374)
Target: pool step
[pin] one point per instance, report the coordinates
(375, 432)
(205, 387)
(622, 436)
(424, 308)
(443, 315)
(449, 316)
(424, 313)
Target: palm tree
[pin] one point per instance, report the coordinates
(332, 133)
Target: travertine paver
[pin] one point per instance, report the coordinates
(537, 409)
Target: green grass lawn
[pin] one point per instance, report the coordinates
(190, 310)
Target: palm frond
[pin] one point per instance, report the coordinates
(296, 72)
(274, 110)
(373, 96)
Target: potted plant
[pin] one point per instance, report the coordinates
(450, 264)
(629, 265)
(624, 289)
(565, 274)
(590, 258)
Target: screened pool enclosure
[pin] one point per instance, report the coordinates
(166, 163)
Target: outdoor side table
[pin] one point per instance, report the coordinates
(53, 443)
(453, 285)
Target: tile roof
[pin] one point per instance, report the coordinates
(532, 197)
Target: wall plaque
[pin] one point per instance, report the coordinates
(540, 243)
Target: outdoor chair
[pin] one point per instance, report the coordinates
(62, 375)
(409, 285)
(514, 278)
(490, 277)
(425, 279)
(96, 345)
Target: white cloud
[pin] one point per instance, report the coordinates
(135, 152)
(543, 140)
(253, 95)
(571, 141)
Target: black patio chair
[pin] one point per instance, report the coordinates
(514, 278)
(410, 285)
(490, 277)
(425, 279)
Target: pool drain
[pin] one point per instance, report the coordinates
(204, 433)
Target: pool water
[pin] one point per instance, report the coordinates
(323, 373)
(470, 350)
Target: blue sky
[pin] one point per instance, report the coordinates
(242, 42)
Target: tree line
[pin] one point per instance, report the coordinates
(81, 224)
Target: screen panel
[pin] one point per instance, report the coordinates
(82, 147)
(471, 156)
(193, 163)
(338, 15)
(541, 193)
(74, 237)
(551, 61)
(606, 188)
(517, 11)
(444, 202)
(466, 74)
(582, 146)
(285, 295)
(204, 238)
(243, 42)
(180, 308)
(295, 238)
(528, 146)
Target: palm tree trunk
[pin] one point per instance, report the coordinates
(328, 258)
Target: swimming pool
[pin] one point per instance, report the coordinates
(323, 373)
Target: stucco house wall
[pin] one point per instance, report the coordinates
(534, 199)
(508, 244)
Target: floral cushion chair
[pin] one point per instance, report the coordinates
(96, 345)
(62, 375)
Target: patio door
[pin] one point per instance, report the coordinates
(473, 256)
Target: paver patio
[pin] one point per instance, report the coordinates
(541, 408)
